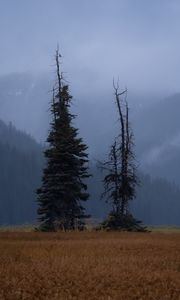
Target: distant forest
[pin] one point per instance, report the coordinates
(21, 161)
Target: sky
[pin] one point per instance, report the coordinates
(135, 40)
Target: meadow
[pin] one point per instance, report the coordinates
(90, 266)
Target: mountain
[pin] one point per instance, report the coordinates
(24, 100)
(21, 164)
(157, 201)
(157, 132)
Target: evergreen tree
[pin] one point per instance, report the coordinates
(120, 181)
(63, 184)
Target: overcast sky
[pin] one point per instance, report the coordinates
(139, 40)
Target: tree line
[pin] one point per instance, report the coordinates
(64, 182)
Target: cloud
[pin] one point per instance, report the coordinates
(135, 40)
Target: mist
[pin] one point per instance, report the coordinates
(89, 149)
(136, 41)
(133, 42)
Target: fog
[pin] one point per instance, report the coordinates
(135, 40)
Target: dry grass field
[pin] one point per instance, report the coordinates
(89, 266)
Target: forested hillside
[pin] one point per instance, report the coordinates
(158, 201)
(24, 101)
(20, 163)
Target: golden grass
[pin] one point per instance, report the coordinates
(17, 228)
(165, 229)
(89, 266)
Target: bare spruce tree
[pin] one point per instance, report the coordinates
(121, 180)
(63, 187)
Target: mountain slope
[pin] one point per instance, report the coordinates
(157, 201)
(157, 132)
(21, 164)
(24, 100)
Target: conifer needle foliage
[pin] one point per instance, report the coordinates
(64, 186)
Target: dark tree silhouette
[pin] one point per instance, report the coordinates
(112, 179)
(63, 188)
(121, 180)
